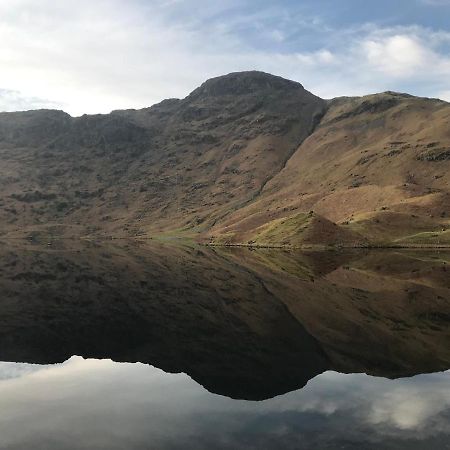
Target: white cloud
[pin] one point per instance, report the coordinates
(398, 55)
(97, 56)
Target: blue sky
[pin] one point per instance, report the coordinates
(96, 56)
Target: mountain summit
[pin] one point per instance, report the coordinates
(247, 158)
(244, 83)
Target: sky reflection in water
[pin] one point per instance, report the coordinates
(86, 403)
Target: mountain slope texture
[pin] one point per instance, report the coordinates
(245, 159)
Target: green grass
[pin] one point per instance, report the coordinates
(429, 238)
(285, 231)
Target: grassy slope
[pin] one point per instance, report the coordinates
(299, 230)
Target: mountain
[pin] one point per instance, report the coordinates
(247, 158)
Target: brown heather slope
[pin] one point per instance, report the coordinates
(247, 158)
(181, 164)
(377, 165)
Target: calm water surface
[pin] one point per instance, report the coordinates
(163, 347)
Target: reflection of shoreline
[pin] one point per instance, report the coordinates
(244, 323)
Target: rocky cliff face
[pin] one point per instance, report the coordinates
(242, 154)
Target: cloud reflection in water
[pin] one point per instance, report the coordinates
(102, 404)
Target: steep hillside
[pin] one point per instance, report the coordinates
(375, 165)
(181, 164)
(241, 160)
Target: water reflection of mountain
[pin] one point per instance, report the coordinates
(243, 323)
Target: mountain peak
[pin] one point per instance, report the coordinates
(241, 83)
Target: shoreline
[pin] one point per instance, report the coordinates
(173, 239)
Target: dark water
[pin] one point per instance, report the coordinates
(190, 347)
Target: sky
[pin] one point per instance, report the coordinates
(94, 56)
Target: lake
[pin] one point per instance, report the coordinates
(153, 345)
